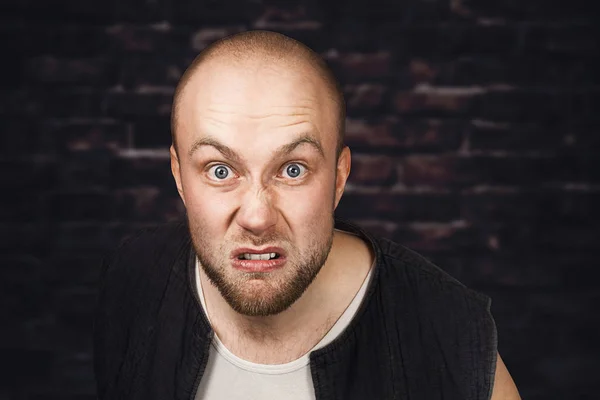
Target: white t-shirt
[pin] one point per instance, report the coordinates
(228, 377)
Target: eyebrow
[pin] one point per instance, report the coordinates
(281, 151)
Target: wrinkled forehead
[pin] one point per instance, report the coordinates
(234, 91)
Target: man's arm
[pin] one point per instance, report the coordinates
(504, 386)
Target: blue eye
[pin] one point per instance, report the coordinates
(219, 172)
(294, 170)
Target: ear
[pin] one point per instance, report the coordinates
(176, 171)
(343, 170)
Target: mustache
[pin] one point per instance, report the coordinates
(257, 241)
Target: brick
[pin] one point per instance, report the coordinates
(44, 137)
(574, 306)
(18, 238)
(433, 42)
(311, 33)
(162, 39)
(404, 134)
(577, 167)
(548, 240)
(86, 135)
(128, 104)
(75, 307)
(230, 12)
(469, 70)
(60, 40)
(527, 69)
(569, 207)
(382, 11)
(20, 103)
(27, 365)
(149, 205)
(143, 10)
(529, 269)
(20, 206)
(82, 238)
(79, 206)
(364, 98)
(370, 134)
(25, 174)
(533, 10)
(353, 67)
(63, 10)
(434, 237)
(141, 70)
(51, 103)
(509, 169)
(432, 101)
(24, 136)
(502, 169)
(290, 13)
(390, 206)
(298, 21)
(347, 34)
(203, 37)
(581, 106)
(463, 171)
(75, 369)
(573, 238)
(489, 135)
(530, 205)
(152, 133)
(63, 71)
(373, 170)
(89, 170)
(563, 40)
(139, 170)
(520, 106)
(68, 269)
(430, 170)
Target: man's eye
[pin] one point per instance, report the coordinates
(219, 172)
(294, 170)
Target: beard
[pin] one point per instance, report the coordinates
(278, 289)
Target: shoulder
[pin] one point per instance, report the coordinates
(430, 307)
(150, 244)
(419, 274)
(144, 259)
(132, 289)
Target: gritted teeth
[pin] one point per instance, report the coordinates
(264, 256)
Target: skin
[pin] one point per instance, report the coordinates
(504, 386)
(243, 114)
(225, 106)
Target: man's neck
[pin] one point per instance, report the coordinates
(292, 333)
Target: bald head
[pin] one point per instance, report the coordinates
(246, 48)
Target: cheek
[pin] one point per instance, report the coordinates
(309, 204)
(207, 209)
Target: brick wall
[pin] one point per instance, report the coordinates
(474, 129)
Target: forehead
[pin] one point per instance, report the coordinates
(255, 94)
(252, 85)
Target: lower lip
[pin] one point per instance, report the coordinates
(258, 265)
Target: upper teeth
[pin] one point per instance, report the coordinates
(264, 256)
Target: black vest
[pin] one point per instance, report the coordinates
(418, 334)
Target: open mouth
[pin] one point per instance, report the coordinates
(262, 256)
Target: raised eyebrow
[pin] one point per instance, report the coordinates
(288, 148)
(281, 151)
(220, 147)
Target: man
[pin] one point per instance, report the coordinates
(261, 293)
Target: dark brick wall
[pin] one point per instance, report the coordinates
(474, 128)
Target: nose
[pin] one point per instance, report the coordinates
(257, 213)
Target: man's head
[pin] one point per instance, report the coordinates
(259, 162)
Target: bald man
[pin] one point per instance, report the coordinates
(261, 293)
